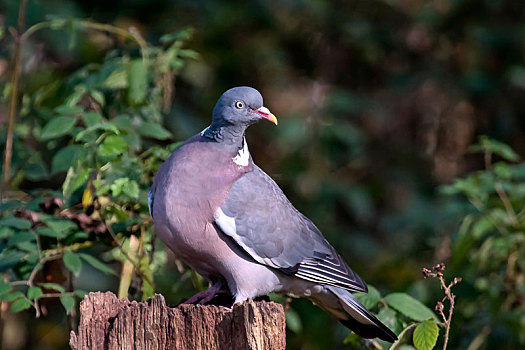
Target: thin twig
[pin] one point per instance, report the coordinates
(437, 272)
(500, 191)
(8, 154)
(506, 202)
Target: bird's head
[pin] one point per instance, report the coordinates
(241, 106)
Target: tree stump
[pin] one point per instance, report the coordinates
(109, 323)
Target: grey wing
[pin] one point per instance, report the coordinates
(261, 220)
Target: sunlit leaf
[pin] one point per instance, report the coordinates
(425, 335)
(113, 145)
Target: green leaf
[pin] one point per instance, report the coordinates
(72, 262)
(68, 302)
(57, 126)
(5, 287)
(409, 306)
(117, 80)
(20, 304)
(112, 146)
(46, 231)
(353, 340)
(17, 223)
(61, 227)
(13, 296)
(131, 188)
(487, 144)
(401, 335)
(137, 81)
(74, 180)
(391, 319)
(370, 299)
(87, 134)
(6, 232)
(53, 286)
(64, 158)
(91, 119)
(97, 264)
(293, 321)
(34, 292)
(10, 258)
(80, 293)
(69, 110)
(125, 186)
(425, 335)
(10, 205)
(19, 237)
(155, 131)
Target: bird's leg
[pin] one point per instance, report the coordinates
(217, 287)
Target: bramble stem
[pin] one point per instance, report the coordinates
(8, 154)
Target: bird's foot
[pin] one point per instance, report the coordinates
(207, 295)
(197, 298)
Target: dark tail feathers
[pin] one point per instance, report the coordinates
(362, 321)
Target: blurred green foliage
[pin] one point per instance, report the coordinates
(378, 102)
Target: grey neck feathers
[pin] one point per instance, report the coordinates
(225, 134)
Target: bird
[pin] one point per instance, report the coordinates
(230, 222)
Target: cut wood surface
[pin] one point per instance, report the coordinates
(109, 323)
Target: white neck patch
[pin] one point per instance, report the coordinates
(243, 156)
(203, 131)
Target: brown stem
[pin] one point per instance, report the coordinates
(437, 272)
(8, 154)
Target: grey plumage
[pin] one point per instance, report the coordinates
(231, 222)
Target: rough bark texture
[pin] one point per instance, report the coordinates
(109, 323)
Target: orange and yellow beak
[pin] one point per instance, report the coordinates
(266, 114)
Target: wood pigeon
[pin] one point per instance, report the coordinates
(228, 220)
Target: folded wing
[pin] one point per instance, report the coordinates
(260, 219)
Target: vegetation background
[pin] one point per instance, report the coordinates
(382, 105)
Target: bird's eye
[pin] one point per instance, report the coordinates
(239, 104)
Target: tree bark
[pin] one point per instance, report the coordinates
(109, 323)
